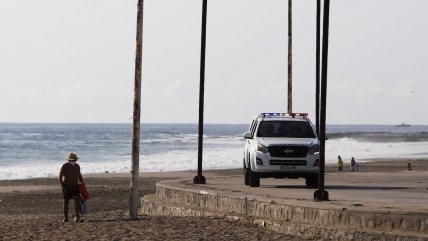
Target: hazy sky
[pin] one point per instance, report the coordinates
(73, 61)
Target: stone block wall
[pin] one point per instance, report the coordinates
(380, 221)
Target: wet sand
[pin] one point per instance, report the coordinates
(31, 209)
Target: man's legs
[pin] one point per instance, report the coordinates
(65, 206)
(77, 207)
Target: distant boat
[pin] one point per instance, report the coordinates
(402, 125)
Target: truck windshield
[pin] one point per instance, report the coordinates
(288, 129)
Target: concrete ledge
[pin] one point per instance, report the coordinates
(310, 219)
(153, 207)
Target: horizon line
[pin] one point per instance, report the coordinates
(176, 123)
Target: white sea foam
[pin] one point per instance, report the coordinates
(348, 148)
(213, 158)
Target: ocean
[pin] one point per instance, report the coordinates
(38, 150)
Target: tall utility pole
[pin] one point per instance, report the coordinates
(199, 179)
(321, 194)
(317, 70)
(290, 89)
(135, 171)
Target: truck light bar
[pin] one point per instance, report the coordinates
(279, 115)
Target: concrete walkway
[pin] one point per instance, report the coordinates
(362, 206)
(407, 191)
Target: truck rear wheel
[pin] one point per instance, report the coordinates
(312, 181)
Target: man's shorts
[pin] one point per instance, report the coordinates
(69, 192)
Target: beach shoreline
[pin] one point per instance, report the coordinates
(31, 208)
(373, 164)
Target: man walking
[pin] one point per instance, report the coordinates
(354, 165)
(69, 178)
(339, 164)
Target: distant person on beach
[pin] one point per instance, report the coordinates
(69, 178)
(339, 164)
(354, 165)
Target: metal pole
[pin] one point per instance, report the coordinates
(290, 42)
(134, 200)
(317, 71)
(321, 194)
(199, 179)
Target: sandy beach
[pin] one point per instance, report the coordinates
(31, 209)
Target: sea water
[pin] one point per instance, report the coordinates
(38, 150)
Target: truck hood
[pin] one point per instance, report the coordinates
(272, 141)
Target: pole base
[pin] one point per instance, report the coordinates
(199, 180)
(321, 195)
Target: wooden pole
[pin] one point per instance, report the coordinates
(321, 194)
(134, 200)
(290, 89)
(199, 179)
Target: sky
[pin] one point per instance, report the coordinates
(73, 61)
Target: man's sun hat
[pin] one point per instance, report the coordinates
(71, 156)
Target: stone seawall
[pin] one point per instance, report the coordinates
(307, 219)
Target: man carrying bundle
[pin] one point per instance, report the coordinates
(69, 178)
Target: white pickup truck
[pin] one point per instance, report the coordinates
(281, 145)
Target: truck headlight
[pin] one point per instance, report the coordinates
(262, 148)
(314, 150)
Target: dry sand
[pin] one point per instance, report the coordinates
(31, 210)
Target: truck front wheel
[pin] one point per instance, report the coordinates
(246, 175)
(254, 179)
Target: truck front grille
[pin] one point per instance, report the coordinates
(288, 151)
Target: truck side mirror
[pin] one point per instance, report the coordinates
(247, 135)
